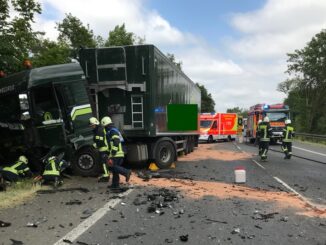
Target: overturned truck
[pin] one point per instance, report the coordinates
(152, 102)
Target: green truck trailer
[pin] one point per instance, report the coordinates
(153, 103)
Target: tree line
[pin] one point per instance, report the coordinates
(18, 41)
(306, 86)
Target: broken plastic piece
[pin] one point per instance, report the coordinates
(4, 224)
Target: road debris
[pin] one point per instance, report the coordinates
(235, 231)
(86, 213)
(265, 217)
(4, 224)
(67, 241)
(184, 238)
(83, 190)
(16, 242)
(137, 234)
(74, 202)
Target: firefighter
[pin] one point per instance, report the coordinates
(258, 138)
(288, 134)
(101, 144)
(264, 133)
(17, 171)
(52, 171)
(116, 156)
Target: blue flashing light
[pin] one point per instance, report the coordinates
(266, 107)
(159, 109)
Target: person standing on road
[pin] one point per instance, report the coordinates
(116, 156)
(260, 150)
(288, 134)
(16, 171)
(264, 133)
(101, 144)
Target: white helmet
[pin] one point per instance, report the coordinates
(287, 121)
(266, 119)
(23, 159)
(259, 121)
(52, 158)
(106, 121)
(93, 121)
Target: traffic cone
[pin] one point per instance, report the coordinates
(153, 167)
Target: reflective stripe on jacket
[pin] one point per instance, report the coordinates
(52, 168)
(288, 133)
(264, 131)
(19, 168)
(100, 139)
(115, 145)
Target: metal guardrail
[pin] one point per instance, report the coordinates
(317, 136)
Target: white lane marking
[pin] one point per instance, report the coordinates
(238, 147)
(86, 224)
(258, 164)
(313, 205)
(309, 151)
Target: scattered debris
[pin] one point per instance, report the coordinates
(216, 221)
(235, 231)
(137, 234)
(74, 202)
(86, 213)
(259, 227)
(67, 241)
(4, 224)
(16, 242)
(81, 243)
(266, 217)
(83, 190)
(184, 238)
(31, 224)
(284, 219)
(167, 240)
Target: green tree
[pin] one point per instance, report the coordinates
(238, 110)
(207, 102)
(17, 37)
(307, 87)
(75, 34)
(51, 53)
(119, 37)
(172, 58)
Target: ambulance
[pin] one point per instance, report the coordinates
(218, 126)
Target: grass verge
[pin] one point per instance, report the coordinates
(18, 193)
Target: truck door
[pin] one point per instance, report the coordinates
(214, 131)
(48, 116)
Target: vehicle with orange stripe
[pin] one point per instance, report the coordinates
(218, 126)
(277, 114)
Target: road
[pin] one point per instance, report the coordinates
(282, 202)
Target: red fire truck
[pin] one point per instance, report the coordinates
(277, 114)
(218, 126)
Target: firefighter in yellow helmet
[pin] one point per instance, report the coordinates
(17, 171)
(53, 169)
(288, 134)
(115, 141)
(264, 133)
(100, 143)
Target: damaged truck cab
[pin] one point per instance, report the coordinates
(44, 109)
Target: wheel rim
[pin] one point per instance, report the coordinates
(165, 154)
(85, 162)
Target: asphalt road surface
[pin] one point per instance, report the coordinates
(282, 202)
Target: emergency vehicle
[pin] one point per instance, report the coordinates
(218, 126)
(277, 114)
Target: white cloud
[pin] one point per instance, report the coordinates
(244, 72)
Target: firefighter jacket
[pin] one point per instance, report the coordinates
(18, 168)
(288, 133)
(115, 141)
(54, 167)
(99, 139)
(264, 131)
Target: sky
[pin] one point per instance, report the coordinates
(237, 49)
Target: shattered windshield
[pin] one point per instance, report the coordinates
(9, 108)
(277, 116)
(205, 123)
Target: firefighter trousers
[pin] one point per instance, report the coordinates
(287, 149)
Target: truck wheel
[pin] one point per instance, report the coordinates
(165, 154)
(86, 162)
(210, 139)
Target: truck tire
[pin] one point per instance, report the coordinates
(164, 154)
(86, 162)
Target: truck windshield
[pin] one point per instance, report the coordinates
(205, 123)
(9, 108)
(277, 116)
